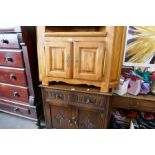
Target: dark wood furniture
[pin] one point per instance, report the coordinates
(71, 106)
(141, 102)
(19, 91)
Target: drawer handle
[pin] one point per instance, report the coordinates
(9, 59)
(16, 109)
(70, 122)
(16, 94)
(89, 101)
(74, 119)
(13, 77)
(5, 41)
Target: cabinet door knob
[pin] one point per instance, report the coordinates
(70, 122)
(16, 94)
(13, 77)
(5, 41)
(9, 59)
(74, 119)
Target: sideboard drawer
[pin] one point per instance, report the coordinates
(59, 97)
(13, 76)
(12, 58)
(9, 41)
(146, 105)
(90, 100)
(14, 92)
(122, 102)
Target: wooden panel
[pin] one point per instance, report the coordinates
(118, 53)
(146, 105)
(13, 76)
(60, 117)
(9, 41)
(12, 58)
(40, 49)
(88, 60)
(127, 103)
(91, 100)
(18, 109)
(58, 59)
(133, 103)
(14, 92)
(91, 119)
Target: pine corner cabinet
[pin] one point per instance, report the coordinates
(90, 55)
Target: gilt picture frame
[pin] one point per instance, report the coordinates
(139, 46)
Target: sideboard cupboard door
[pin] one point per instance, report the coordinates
(62, 117)
(91, 119)
(89, 58)
(58, 57)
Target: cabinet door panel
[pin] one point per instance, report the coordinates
(89, 60)
(60, 117)
(91, 119)
(58, 59)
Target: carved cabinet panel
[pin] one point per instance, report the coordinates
(91, 119)
(58, 59)
(60, 117)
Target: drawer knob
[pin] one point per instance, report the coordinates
(5, 41)
(16, 94)
(13, 77)
(89, 101)
(9, 59)
(16, 109)
(70, 122)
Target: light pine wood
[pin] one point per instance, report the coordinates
(88, 60)
(40, 48)
(46, 81)
(75, 34)
(82, 58)
(58, 59)
(73, 39)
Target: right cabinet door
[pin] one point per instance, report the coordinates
(89, 60)
(91, 119)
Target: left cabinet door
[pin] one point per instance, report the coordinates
(58, 57)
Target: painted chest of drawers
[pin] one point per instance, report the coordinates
(19, 91)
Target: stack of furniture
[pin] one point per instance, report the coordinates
(19, 92)
(78, 55)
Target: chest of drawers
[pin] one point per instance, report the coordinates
(19, 91)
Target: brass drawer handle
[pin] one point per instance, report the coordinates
(9, 59)
(16, 94)
(13, 77)
(5, 41)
